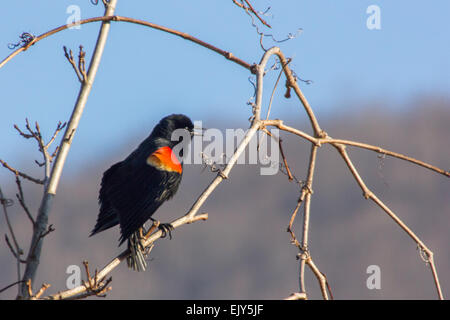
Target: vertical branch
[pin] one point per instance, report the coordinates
(17, 251)
(320, 277)
(308, 190)
(50, 188)
(259, 79)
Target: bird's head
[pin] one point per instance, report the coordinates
(169, 124)
(169, 129)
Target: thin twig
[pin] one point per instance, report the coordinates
(16, 251)
(59, 127)
(21, 199)
(273, 92)
(11, 285)
(82, 64)
(249, 7)
(256, 14)
(94, 286)
(69, 57)
(280, 147)
(38, 294)
(20, 173)
(8, 223)
(42, 234)
(290, 229)
(44, 287)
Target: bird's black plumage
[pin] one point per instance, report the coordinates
(133, 189)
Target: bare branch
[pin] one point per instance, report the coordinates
(324, 286)
(109, 18)
(95, 286)
(273, 92)
(280, 146)
(248, 8)
(16, 251)
(25, 135)
(20, 173)
(11, 285)
(69, 57)
(42, 234)
(59, 127)
(21, 199)
(38, 294)
(82, 64)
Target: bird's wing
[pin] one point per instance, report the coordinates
(107, 216)
(136, 190)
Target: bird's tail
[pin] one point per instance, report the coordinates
(136, 259)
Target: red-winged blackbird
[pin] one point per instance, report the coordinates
(133, 189)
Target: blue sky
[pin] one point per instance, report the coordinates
(146, 74)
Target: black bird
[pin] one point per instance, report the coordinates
(133, 189)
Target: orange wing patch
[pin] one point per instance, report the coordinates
(165, 159)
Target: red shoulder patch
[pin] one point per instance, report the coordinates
(165, 159)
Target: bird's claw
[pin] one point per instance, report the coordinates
(166, 228)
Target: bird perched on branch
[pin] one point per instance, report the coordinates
(133, 189)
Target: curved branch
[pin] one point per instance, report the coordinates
(226, 54)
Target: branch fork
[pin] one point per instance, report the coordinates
(80, 69)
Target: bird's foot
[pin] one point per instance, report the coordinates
(166, 228)
(150, 231)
